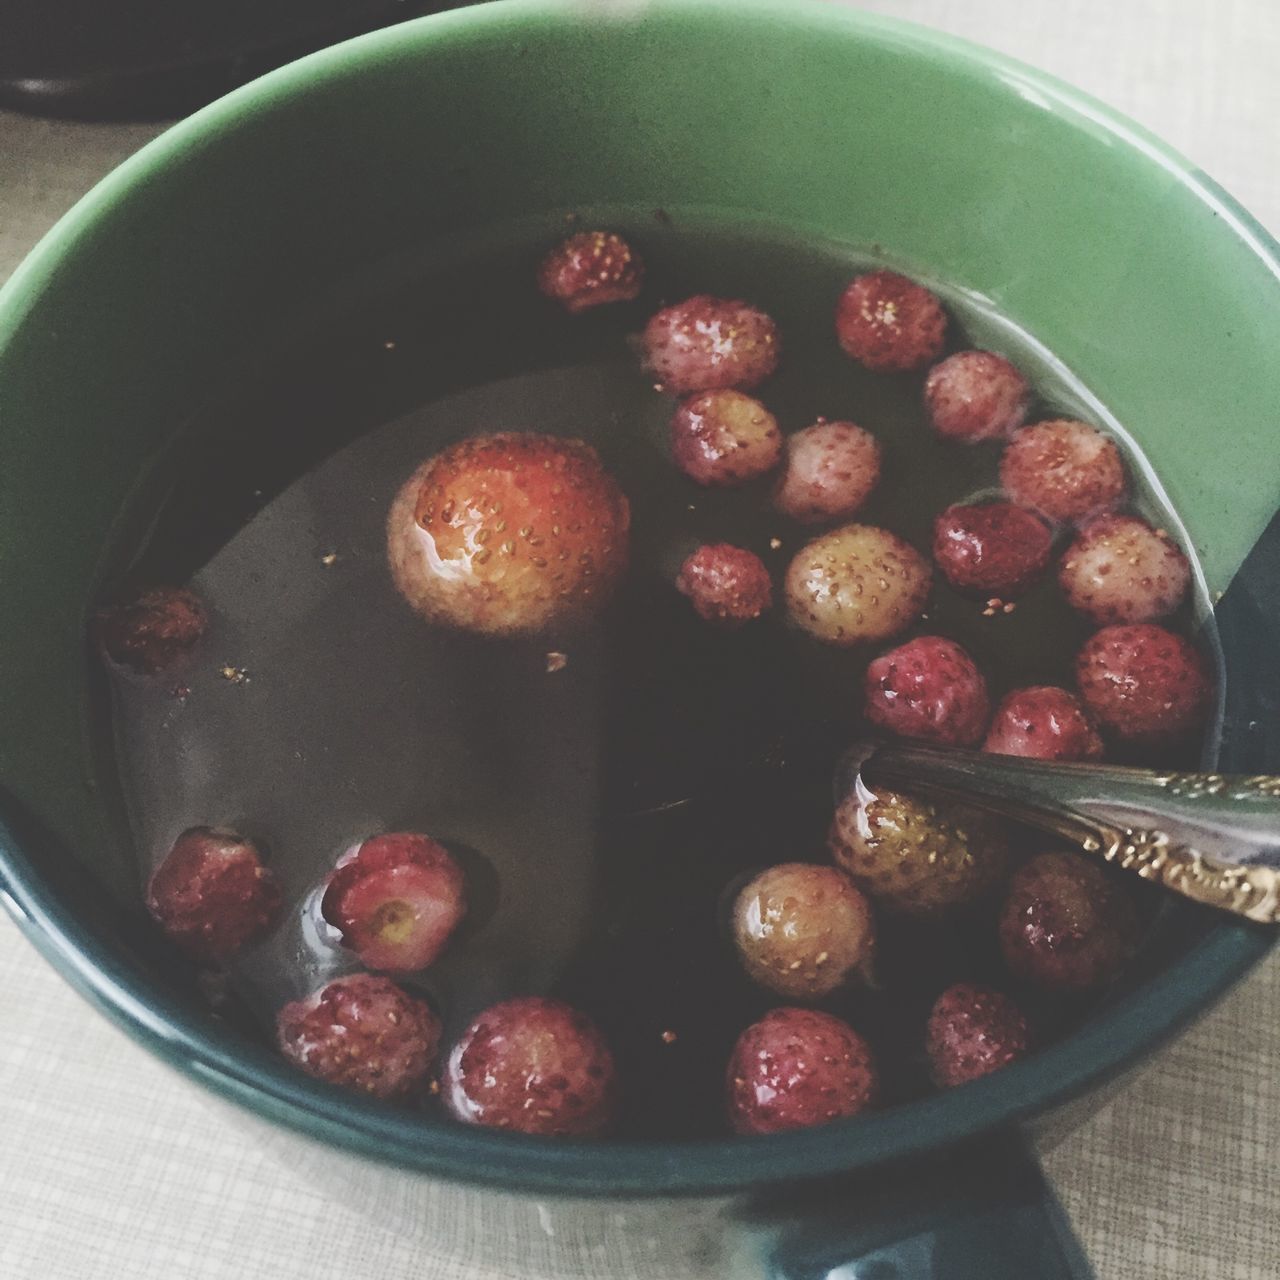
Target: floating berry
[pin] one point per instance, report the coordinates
(928, 688)
(832, 467)
(1042, 722)
(532, 1065)
(802, 930)
(726, 584)
(362, 1032)
(1120, 569)
(1065, 924)
(152, 630)
(508, 533)
(889, 323)
(797, 1068)
(975, 395)
(706, 343)
(856, 583)
(915, 857)
(212, 895)
(590, 269)
(724, 438)
(1064, 470)
(1143, 682)
(396, 901)
(993, 548)
(972, 1032)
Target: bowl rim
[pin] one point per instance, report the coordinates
(1128, 1029)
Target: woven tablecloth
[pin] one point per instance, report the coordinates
(112, 1167)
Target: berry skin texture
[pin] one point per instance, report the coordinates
(797, 1068)
(991, 549)
(974, 396)
(914, 857)
(532, 1065)
(972, 1032)
(930, 689)
(708, 344)
(212, 895)
(889, 323)
(152, 630)
(1120, 569)
(722, 438)
(1067, 471)
(727, 585)
(363, 1033)
(1065, 925)
(508, 533)
(856, 583)
(802, 930)
(1042, 722)
(396, 901)
(832, 468)
(1143, 683)
(590, 269)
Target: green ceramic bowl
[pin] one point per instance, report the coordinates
(1147, 280)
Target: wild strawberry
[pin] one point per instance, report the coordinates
(972, 1032)
(152, 630)
(396, 901)
(590, 269)
(832, 468)
(706, 344)
(726, 584)
(724, 438)
(1042, 722)
(1064, 470)
(1120, 569)
(928, 688)
(508, 533)
(993, 548)
(975, 395)
(889, 323)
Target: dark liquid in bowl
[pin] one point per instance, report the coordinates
(603, 811)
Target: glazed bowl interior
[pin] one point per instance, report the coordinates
(237, 225)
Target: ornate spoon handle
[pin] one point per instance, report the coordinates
(1212, 838)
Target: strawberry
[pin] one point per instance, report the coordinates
(508, 533)
(726, 584)
(152, 630)
(364, 1033)
(856, 583)
(1143, 682)
(532, 1065)
(396, 901)
(1120, 569)
(1064, 470)
(889, 323)
(797, 1068)
(928, 688)
(1042, 722)
(706, 344)
(724, 438)
(212, 895)
(832, 467)
(590, 269)
(993, 548)
(972, 1032)
(975, 395)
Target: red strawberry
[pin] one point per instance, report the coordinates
(1042, 723)
(508, 533)
(152, 630)
(796, 1068)
(975, 395)
(1064, 470)
(832, 467)
(724, 438)
(973, 1031)
(993, 549)
(1120, 569)
(364, 1033)
(706, 343)
(212, 895)
(889, 323)
(396, 901)
(928, 688)
(1143, 682)
(589, 269)
(726, 584)
(534, 1066)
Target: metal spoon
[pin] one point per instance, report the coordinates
(1209, 837)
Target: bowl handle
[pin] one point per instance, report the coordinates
(983, 1213)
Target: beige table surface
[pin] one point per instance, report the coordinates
(114, 1168)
